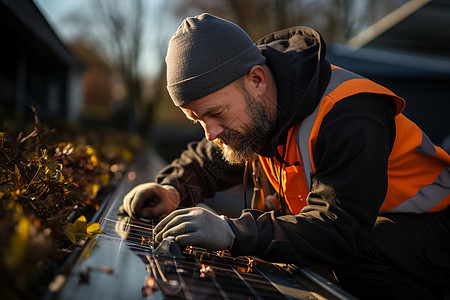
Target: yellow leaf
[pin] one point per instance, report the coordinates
(92, 155)
(104, 179)
(90, 151)
(52, 168)
(81, 229)
(77, 230)
(18, 243)
(17, 173)
(91, 190)
(93, 229)
(95, 188)
(127, 155)
(44, 154)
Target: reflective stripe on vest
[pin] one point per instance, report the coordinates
(418, 171)
(338, 76)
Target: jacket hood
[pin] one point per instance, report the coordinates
(296, 57)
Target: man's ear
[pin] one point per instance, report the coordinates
(258, 78)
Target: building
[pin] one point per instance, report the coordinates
(36, 68)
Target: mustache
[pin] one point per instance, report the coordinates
(228, 135)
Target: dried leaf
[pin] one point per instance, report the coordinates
(206, 272)
(2, 139)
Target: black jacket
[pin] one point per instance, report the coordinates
(351, 155)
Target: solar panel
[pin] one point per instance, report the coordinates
(126, 263)
(196, 272)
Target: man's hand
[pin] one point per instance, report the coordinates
(196, 227)
(150, 201)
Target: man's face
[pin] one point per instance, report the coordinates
(233, 119)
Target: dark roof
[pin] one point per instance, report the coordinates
(24, 17)
(408, 51)
(412, 40)
(420, 27)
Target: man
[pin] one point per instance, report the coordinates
(364, 190)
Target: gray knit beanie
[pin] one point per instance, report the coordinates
(205, 54)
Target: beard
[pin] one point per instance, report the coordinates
(239, 147)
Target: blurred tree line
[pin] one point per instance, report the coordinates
(117, 29)
(336, 20)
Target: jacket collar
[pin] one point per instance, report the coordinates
(296, 57)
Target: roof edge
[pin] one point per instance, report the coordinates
(379, 27)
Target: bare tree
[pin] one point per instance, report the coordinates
(123, 27)
(115, 29)
(336, 20)
(257, 17)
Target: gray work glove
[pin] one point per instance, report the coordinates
(196, 226)
(150, 201)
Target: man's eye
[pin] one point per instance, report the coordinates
(217, 114)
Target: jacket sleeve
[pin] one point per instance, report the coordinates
(348, 189)
(199, 173)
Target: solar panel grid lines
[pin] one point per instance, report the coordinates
(234, 277)
(195, 273)
(227, 282)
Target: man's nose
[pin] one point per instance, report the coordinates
(212, 130)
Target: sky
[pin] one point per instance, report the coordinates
(157, 15)
(56, 12)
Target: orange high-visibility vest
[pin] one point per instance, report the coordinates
(418, 171)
